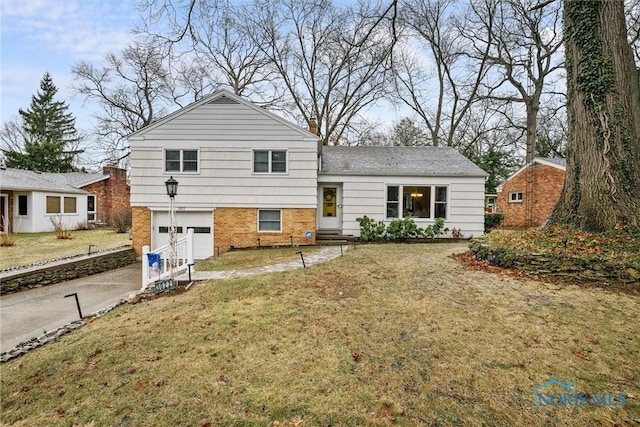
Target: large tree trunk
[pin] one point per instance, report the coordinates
(602, 183)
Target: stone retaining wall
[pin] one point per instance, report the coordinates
(61, 271)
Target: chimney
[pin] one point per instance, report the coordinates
(114, 171)
(313, 125)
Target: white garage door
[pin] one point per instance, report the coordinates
(201, 222)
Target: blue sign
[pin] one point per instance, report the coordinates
(308, 235)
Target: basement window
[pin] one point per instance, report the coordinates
(269, 220)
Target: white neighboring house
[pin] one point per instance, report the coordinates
(247, 177)
(31, 201)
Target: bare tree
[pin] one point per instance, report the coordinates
(219, 53)
(432, 74)
(132, 90)
(332, 60)
(552, 131)
(13, 135)
(632, 12)
(524, 40)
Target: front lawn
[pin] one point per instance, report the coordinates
(395, 334)
(30, 248)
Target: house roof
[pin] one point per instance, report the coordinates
(26, 180)
(562, 163)
(81, 179)
(397, 161)
(555, 162)
(220, 96)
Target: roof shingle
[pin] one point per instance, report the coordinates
(397, 161)
(26, 180)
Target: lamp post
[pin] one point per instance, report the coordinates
(172, 190)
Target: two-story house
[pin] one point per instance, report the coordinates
(248, 177)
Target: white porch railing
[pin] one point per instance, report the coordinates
(162, 271)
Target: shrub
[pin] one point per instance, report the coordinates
(403, 229)
(491, 221)
(61, 231)
(122, 221)
(398, 229)
(456, 233)
(8, 238)
(436, 229)
(371, 230)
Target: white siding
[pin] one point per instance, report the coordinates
(39, 221)
(366, 195)
(222, 122)
(225, 135)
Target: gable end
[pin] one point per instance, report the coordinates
(223, 100)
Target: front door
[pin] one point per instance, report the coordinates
(330, 208)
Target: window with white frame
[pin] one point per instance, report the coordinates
(70, 204)
(23, 206)
(181, 160)
(269, 220)
(58, 205)
(440, 202)
(270, 161)
(515, 197)
(392, 201)
(416, 201)
(91, 208)
(53, 204)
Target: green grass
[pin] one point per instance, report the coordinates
(30, 248)
(386, 335)
(248, 258)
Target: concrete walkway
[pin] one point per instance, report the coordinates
(28, 314)
(325, 253)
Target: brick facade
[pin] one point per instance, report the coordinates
(546, 185)
(112, 195)
(238, 227)
(140, 228)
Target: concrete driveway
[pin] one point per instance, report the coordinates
(28, 314)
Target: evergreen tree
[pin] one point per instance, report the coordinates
(50, 136)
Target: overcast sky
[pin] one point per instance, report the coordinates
(51, 35)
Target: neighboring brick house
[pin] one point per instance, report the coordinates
(527, 198)
(247, 177)
(29, 200)
(112, 194)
